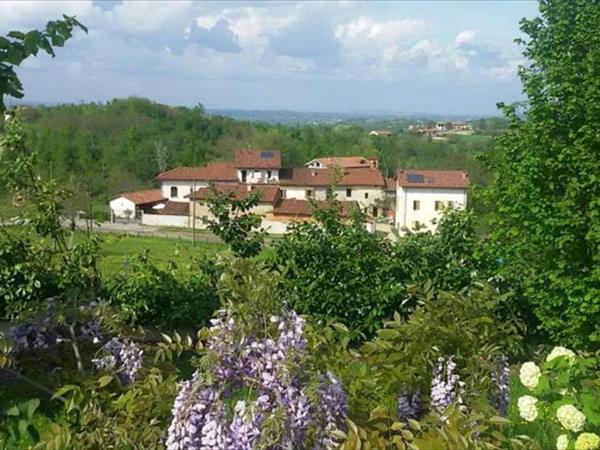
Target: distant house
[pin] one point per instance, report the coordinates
(422, 196)
(411, 200)
(130, 205)
(381, 133)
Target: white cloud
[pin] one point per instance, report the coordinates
(464, 37)
(368, 31)
(152, 16)
(29, 14)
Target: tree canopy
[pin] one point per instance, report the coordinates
(546, 172)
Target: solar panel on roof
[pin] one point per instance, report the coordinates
(267, 154)
(415, 178)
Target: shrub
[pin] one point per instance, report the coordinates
(338, 271)
(560, 401)
(164, 297)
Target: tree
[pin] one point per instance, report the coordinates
(17, 46)
(546, 173)
(234, 222)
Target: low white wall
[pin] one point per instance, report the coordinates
(159, 220)
(274, 227)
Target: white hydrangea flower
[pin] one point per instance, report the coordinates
(562, 442)
(527, 407)
(570, 418)
(530, 375)
(587, 441)
(561, 351)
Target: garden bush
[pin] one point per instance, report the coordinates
(166, 297)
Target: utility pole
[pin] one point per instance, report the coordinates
(193, 213)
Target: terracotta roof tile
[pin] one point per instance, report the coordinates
(143, 197)
(268, 193)
(325, 177)
(344, 162)
(258, 159)
(456, 179)
(175, 209)
(214, 171)
(294, 207)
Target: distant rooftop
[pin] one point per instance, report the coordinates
(258, 159)
(452, 179)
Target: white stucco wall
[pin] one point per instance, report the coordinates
(120, 205)
(158, 220)
(183, 188)
(406, 215)
(358, 195)
(259, 175)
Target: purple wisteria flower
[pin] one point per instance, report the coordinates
(409, 404)
(500, 377)
(265, 369)
(446, 386)
(122, 357)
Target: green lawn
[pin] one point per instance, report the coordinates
(118, 250)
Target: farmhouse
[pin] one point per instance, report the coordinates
(131, 205)
(422, 196)
(412, 200)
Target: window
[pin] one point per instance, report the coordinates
(174, 192)
(243, 176)
(416, 205)
(416, 225)
(283, 195)
(439, 205)
(450, 204)
(268, 174)
(348, 192)
(374, 211)
(366, 195)
(309, 193)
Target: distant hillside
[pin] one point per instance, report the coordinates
(121, 145)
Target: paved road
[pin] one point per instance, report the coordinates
(137, 229)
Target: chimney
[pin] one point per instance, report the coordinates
(374, 163)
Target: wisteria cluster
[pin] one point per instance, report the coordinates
(33, 335)
(409, 404)
(276, 411)
(43, 331)
(123, 357)
(500, 377)
(446, 386)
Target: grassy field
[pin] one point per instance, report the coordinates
(117, 251)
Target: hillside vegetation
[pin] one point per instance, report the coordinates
(109, 148)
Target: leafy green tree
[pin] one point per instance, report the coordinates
(335, 270)
(17, 46)
(546, 173)
(234, 222)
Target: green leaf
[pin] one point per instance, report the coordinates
(13, 411)
(104, 380)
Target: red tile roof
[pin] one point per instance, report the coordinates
(293, 207)
(325, 177)
(144, 197)
(344, 162)
(175, 209)
(214, 171)
(453, 179)
(258, 159)
(268, 193)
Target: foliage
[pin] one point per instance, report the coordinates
(546, 185)
(338, 271)
(565, 392)
(448, 259)
(57, 265)
(152, 296)
(235, 223)
(17, 47)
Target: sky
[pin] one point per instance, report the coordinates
(337, 56)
